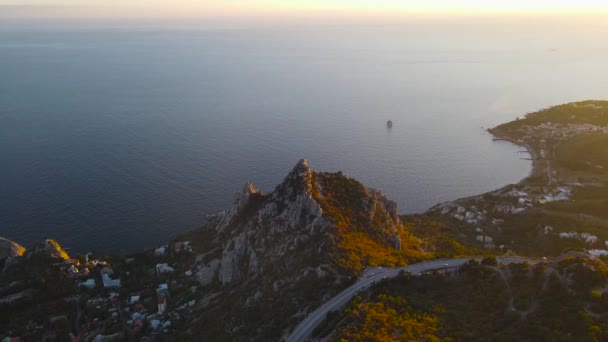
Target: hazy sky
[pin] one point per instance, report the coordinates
(161, 8)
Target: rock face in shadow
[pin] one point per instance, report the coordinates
(10, 249)
(47, 249)
(261, 233)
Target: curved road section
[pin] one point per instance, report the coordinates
(371, 275)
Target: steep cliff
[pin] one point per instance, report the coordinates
(311, 218)
(291, 249)
(10, 249)
(47, 249)
(10, 253)
(261, 232)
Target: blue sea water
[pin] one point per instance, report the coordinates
(118, 139)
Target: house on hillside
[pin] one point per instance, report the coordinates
(164, 268)
(89, 284)
(162, 304)
(160, 251)
(183, 247)
(162, 290)
(109, 282)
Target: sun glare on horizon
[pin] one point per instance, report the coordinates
(192, 7)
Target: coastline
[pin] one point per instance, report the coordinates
(535, 170)
(534, 155)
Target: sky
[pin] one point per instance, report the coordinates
(163, 8)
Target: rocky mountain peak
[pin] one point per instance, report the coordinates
(315, 230)
(10, 249)
(249, 189)
(48, 248)
(301, 167)
(241, 201)
(310, 218)
(298, 180)
(270, 225)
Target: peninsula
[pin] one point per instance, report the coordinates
(561, 205)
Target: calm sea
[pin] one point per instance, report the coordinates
(117, 140)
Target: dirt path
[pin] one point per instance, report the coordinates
(523, 314)
(511, 305)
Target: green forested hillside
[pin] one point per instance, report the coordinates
(585, 112)
(563, 301)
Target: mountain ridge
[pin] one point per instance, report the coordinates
(299, 245)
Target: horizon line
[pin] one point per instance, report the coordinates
(137, 12)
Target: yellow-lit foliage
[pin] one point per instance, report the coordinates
(364, 228)
(388, 318)
(435, 237)
(356, 250)
(61, 253)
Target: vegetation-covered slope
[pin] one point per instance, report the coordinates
(280, 255)
(367, 230)
(585, 112)
(565, 301)
(586, 151)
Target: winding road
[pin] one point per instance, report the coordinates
(371, 275)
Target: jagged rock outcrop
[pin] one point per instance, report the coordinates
(49, 249)
(389, 220)
(241, 200)
(293, 248)
(205, 274)
(271, 226)
(287, 229)
(10, 249)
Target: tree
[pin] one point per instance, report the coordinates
(489, 261)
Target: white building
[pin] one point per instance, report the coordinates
(164, 268)
(89, 284)
(134, 299)
(109, 282)
(160, 251)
